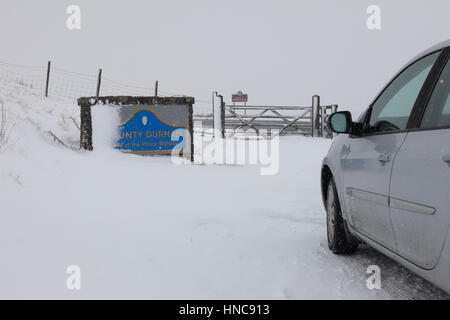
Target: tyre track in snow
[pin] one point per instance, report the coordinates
(386, 284)
(396, 280)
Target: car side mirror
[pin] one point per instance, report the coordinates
(340, 122)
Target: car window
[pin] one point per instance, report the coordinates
(437, 113)
(393, 107)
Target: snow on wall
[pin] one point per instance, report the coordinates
(105, 120)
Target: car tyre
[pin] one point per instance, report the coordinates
(340, 241)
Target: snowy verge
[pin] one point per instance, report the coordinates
(142, 227)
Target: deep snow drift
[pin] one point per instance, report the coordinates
(142, 227)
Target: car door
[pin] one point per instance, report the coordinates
(368, 164)
(420, 183)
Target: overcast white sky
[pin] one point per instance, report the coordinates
(278, 51)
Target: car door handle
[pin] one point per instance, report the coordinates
(446, 158)
(385, 158)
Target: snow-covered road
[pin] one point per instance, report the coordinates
(142, 227)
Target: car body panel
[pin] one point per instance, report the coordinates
(367, 171)
(439, 275)
(341, 146)
(420, 196)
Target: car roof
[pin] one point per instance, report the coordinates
(434, 48)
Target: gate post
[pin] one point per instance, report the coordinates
(312, 117)
(218, 116)
(323, 118)
(222, 119)
(334, 109)
(315, 113)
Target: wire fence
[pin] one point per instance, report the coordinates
(69, 85)
(23, 77)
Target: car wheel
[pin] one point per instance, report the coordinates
(340, 241)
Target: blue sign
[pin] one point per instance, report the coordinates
(145, 132)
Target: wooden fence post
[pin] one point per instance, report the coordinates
(48, 79)
(99, 82)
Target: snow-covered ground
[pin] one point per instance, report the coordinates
(142, 227)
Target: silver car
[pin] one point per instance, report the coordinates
(386, 178)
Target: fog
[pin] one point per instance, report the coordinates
(279, 52)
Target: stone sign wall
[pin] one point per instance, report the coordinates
(146, 126)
